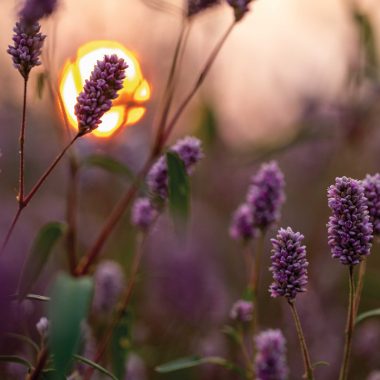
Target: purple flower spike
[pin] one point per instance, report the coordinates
(289, 264)
(371, 185)
(242, 223)
(270, 361)
(34, 10)
(109, 283)
(26, 51)
(196, 6)
(240, 7)
(99, 91)
(189, 151)
(349, 226)
(242, 311)
(266, 195)
(143, 213)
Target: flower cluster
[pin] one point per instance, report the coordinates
(26, 50)
(240, 7)
(371, 184)
(270, 361)
(109, 283)
(196, 6)
(99, 91)
(349, 226)
(289, 264)
(263, 201)
(242, 311)
(143, 213)
(34, 10)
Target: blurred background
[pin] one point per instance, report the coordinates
(296, 81)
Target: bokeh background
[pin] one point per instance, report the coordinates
(292, 83)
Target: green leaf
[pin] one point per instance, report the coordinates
(40, 85)
(109, 164)
(95, 366)
(70, 301)
(176, 365)
(179, 188)
(24, 339)
(37, 297)
(39, 255)
(208, 126)
(320, 363)
(15, 359)
(120, 345)
(368, 314)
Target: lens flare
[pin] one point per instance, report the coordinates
(127, 109)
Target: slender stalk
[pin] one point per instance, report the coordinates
(41, 362)
(122, 306)
(343, 375)
(33, 192)
(305, 352)
(359, 287)
(199, 82)
(21, 184)
(246, 355)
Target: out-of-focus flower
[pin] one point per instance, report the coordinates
(371, 185)
(270, 361)
(43, 327)
(266, 195)
(349, 227)
(16, 371)
(374, 375)
(289, 264)
(242, 223)
(240, 7)
(98, 92)
(109, 283)
(143, 213)
(196, 6)
(88, 348)
(26, 50)
(242, 311)
(34, 10)
(188, 150)
(135, 369)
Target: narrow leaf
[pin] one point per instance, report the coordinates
(15, 359)
(41, 80)
(179, 188)
(37, 297)
(109, 164)
(320, 363)
(39, 255)
(70, 301)
(120, 346)
(95, 366)
(24, 339)
(368, 314)
(175, 365)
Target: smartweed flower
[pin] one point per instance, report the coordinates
(42, 327)
(266, 195)
(270, 361)
(109, 283)
(349, 226)
(34, 10)
(371, 185)
(196, 6)
(240, 7)
(242, 223)
(26, 50)
(99, 91)
(242, 311)
(289, 264)
(143, 213)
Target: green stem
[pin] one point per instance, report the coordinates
(359, 288)
(301, 337)
(349, 327)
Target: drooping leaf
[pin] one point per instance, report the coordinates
(179, 188)
(109, 164)
(120, 346)
(25, 339)
(42, 247)
(368, 314)
(41, 81)
(96, 366)
(208, 126)
(70, 301)
(178, 364)
(15, 359)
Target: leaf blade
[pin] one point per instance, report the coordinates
(367, 314)
(95, 366)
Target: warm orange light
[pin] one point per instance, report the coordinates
(127, 109)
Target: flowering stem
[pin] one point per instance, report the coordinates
(359, 288)
(34, 190)
(301, 337)
(21, 149)
(247, 357)
(349, 327)
(199, 81)
(41, 362)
